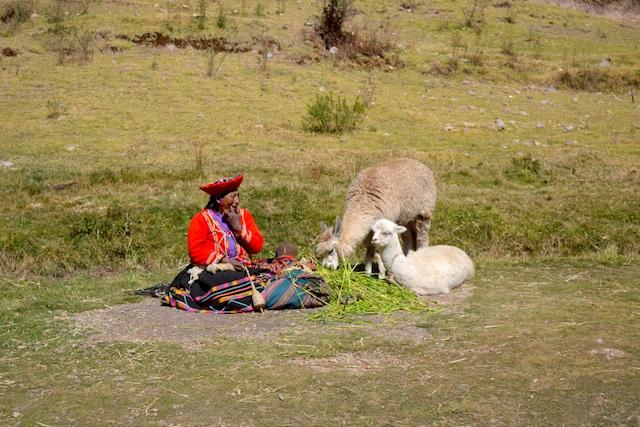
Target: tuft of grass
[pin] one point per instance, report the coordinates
(198, 150)
(16, 11)
(527, 170)
(201, 18)
(355, 294)
(84, 5)
(221, 20)
(328, 113)
(55, 109)
(213, 64)
(259, 10)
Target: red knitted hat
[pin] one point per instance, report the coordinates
(222, 186)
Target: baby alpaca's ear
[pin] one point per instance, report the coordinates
(400, 229)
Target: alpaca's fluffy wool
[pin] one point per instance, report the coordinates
(402, 190)
(429, 270)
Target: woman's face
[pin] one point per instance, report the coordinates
(230, 200)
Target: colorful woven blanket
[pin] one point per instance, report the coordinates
(292, 288)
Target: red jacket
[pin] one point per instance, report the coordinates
(208, 243)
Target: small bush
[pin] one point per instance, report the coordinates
(67, 41)
(333, 114)
(596, 79)
(58, 11)
(334, 15)
(451, 66)
(371, 41)
(474, 16)
(16, 11)
(84, 5)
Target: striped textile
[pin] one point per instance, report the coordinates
(290, 290)
(296, 289)
(231, 297)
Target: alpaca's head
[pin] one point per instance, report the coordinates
(327, 245)
(384, 232)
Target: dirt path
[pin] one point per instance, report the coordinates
(148, 321)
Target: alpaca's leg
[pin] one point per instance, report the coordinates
(368, 259)
(382, 272)
(423, 225)
(409, 238)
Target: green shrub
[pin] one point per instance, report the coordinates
(333, 114)
(67, 41)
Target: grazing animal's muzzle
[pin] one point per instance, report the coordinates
(331, 261)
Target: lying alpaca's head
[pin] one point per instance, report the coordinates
(384, 231)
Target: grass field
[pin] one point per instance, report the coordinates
(103, 143)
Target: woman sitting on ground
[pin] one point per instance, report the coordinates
(223, 278)
(222, 232)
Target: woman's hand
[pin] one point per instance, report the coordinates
(232, 218)
(237, 265)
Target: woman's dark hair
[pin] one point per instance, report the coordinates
(213, 201)
(212, 204)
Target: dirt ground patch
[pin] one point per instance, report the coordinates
(157, 39)
(618, 11)
(148, 321)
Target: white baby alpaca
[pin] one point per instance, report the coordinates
(429, 270)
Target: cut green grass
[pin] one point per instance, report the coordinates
(355, 294)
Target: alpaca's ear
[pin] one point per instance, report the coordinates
(323, 227)
(337, 228)
(400, 229)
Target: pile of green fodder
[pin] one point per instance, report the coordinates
(354, 294)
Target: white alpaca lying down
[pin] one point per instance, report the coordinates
(429, 270)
